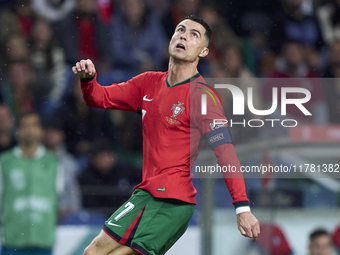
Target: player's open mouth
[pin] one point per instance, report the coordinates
(180, 46)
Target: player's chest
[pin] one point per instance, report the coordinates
(166, 107)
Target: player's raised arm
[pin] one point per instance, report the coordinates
(84, 69)
(123, 96)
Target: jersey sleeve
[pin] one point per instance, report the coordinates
(122, 96)
(213, 125)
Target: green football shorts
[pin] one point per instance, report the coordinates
(149, 225)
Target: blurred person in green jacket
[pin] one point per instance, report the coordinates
(29, 184)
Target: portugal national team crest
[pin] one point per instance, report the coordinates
(177, 109)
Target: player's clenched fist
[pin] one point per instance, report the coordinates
(84, 69)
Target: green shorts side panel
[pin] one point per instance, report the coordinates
(149, 225)
(122, 218)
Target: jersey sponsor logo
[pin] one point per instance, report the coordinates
(161, 189)
(112, 224)
(216, 138)
(177, 109)
(147, 99)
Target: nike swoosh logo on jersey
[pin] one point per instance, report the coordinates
(146, 99)
(115, 225)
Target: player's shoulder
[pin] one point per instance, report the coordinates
(154, 75)
(50, 155)
(6, 154)
(148, 78)
(200, 86)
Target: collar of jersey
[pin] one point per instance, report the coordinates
(40, 152)
(195, 76)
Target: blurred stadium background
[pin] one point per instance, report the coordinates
(41, 39)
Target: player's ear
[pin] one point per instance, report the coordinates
(204, 52)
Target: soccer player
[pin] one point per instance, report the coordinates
(159, 210)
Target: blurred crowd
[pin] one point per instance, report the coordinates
(40, 40)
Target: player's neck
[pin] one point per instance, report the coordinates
(180, 71)
(29, 150)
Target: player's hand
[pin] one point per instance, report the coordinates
(248, 225)
(84, 69)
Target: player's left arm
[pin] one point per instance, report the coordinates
(247, 223)
(219, 139)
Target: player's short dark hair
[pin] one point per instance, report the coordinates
(317, 233)
(21, 116)
(199, 20)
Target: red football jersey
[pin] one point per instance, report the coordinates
(171, 139)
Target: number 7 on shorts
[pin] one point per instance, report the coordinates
(128, 207)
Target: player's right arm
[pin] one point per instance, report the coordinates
(123, 96)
